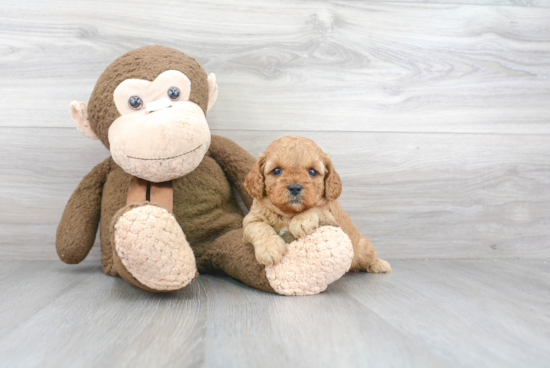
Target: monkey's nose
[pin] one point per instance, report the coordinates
(295, 189)
(158, 104)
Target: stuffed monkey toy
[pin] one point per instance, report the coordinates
(163, 198)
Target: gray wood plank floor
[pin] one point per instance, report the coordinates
(453, 313)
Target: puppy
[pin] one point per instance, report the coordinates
(295, 187)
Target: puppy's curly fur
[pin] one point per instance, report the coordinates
(295, 187)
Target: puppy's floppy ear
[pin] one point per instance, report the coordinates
(333, 184)
(254, 182)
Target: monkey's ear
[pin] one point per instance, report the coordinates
(79, 113)
(254, 182)
(212, 90)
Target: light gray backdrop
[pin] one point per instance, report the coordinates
(437, 115)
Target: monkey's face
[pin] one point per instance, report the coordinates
(149, 109)
(160, 135)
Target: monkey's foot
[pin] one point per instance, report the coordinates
(150, 250)
(312, 262)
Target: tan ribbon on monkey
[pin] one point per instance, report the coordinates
(145, 191)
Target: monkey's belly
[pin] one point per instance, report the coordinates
(150, 247)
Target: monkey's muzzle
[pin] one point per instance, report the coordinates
(160, 146)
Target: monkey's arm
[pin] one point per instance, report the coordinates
(235, 162)
(78, 226)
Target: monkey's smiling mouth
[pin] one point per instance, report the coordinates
(165, 158)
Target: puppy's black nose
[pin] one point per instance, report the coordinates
(294, 189)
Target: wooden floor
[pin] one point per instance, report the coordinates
(454, 313)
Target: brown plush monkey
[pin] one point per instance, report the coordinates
(164, 197)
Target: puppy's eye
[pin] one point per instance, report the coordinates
(277, 171)
(173, 93)
(312, 172)
(135, 102)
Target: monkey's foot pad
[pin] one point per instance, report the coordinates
(312, 262)
(153, 249)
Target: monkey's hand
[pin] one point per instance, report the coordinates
(270, 251)
(78, 225)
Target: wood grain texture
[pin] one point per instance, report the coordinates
(415, 195)
(424, 314)
(398, 93)
(465, 311)
(533, 3)
(100, 321)
(332, 329)
(20, 280)
(288, 65)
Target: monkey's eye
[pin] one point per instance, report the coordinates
(312, 172)
(277, 171)
(135, 102)
(173, 93)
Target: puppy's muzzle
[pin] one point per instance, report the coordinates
(295, 190)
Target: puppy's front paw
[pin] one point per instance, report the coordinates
(271, 251)
(301, 226)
